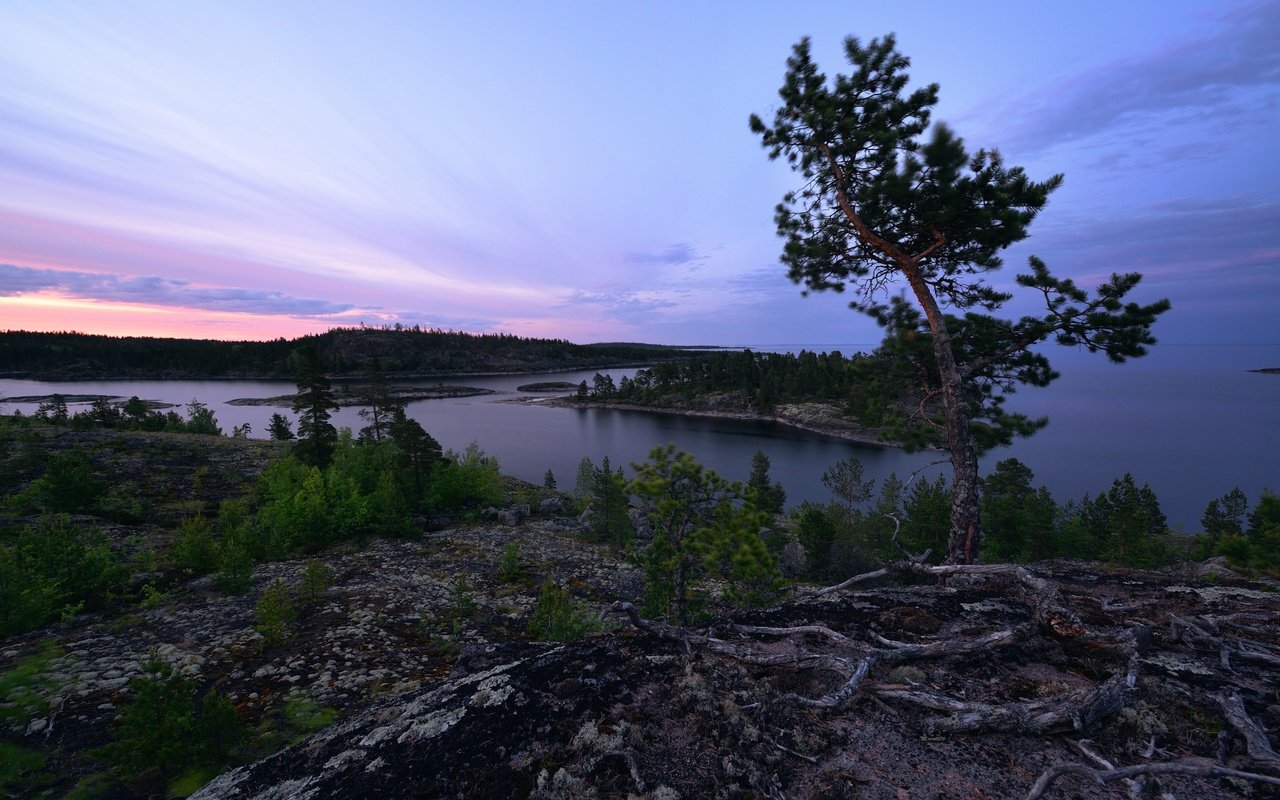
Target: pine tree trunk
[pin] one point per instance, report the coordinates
(966, 532)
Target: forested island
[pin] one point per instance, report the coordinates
(398, 352)
(851, 397)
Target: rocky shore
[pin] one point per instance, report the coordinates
(820, 418)
(347, 396)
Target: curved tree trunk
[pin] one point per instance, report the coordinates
(966, 532)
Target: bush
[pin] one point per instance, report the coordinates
(274, 614)
(69, 485)
(194, 550)
(165, 732)
(557, 618)
(235, 565)
(469, 480)
(315, 580)
(52, 570)
(509, 566)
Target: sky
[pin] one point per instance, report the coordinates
(584, 170)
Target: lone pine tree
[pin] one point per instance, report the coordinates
(880, 207)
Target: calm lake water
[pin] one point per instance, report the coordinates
(1191, 420)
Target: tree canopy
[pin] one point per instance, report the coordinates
(891, 202)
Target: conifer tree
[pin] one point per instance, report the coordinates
(880, 206)
(380, 409)
(316, 434)
(764, 493)
(279, 428)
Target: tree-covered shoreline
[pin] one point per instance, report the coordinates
(857, 398)
(342, 352)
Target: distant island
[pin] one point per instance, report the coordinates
(346, 353)
(547, 386)
(1268, 370)
(846, 397)
(347, 396)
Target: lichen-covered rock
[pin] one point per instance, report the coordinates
(486, 734)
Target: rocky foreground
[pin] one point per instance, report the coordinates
(913, 683)
(739, 710)
(725, 710)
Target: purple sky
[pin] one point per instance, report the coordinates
(584, 170)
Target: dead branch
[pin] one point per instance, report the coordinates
(840, 695)
(1077, 711)
(1193, 767)
(789, 751)
(866, 576)
(901, 651)
(1257, 743)
(797, 630)
(1195, 636)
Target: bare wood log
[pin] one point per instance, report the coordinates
(1050, 613)
(845, 584)
(1257, 743)
(842, 694)
(1195, 636)
(1134, 786)
(902, 651)
(1192, 767)
(1252, 651)
(1077, 711)
(796, 659)
(659, 629)
(796, 630)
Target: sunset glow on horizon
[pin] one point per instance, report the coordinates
(585, 171)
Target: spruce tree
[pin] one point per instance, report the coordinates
(881, 207)
(380, 409)
(313, 404)
(764, 493)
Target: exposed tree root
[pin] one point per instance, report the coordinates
(815, 646)
(1076, 712)
(1192, 767)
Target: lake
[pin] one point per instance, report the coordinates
(1191, 420)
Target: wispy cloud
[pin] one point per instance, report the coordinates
(1220, 78)
(671, 256)
(626, 305)
(1231, 237)
(156, 290)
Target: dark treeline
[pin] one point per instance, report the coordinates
(752, 380)
(341, 352)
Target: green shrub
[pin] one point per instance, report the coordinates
(469, 480)
(235, 565)
(54, 566)
(464, 602)
(69, 485)
(20, 768)
(316, 578)
(304, 715)
(509, 566)
(274, 613)
(25, 688)
(166, 732)
(557, 618)
(194, 550)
